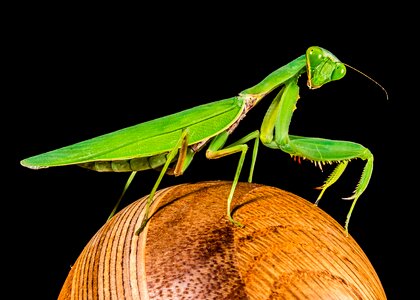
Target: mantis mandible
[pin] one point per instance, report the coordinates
(169, 143)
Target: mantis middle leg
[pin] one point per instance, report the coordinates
(274, 134)
(216, 150)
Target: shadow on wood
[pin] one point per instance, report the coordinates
(288, 249)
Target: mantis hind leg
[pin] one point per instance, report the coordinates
(156, 162)
(183, 161)
(127, 184)
(216, 151)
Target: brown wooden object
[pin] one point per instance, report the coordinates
(287, 249)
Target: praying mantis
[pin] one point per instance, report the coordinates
(168, 144)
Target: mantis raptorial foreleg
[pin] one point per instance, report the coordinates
(275, 134)
(216, 151)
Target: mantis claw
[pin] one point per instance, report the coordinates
(145, 219)
(142, 226)
(236, 223)
(336, 173)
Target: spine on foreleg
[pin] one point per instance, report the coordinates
(127, 165)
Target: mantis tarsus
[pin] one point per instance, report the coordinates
(169, 143)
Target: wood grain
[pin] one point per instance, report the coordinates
(288, 249)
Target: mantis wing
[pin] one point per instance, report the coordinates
(146, 139)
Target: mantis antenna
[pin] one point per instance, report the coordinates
(377, 83)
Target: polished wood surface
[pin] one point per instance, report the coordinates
(287, 249)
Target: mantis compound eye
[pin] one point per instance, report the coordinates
(339, 72)
(314, 56)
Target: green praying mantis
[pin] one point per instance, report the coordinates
(168, 144)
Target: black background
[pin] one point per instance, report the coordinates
(77, 73)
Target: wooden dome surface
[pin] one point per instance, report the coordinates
(287, 249)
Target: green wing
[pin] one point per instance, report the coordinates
(146, 139)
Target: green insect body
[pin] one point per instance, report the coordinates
(169, 143)
(146, 139)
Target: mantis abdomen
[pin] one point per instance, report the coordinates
(127, 165)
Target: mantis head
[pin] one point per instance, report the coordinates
(322, 67)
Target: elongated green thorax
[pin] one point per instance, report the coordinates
(278, 77)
